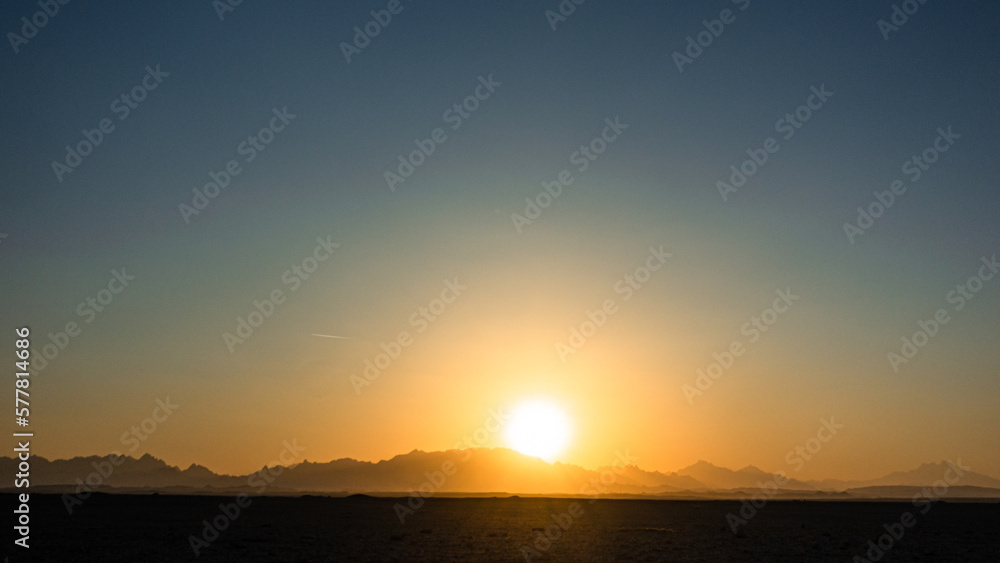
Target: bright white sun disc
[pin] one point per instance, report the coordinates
(538, 429)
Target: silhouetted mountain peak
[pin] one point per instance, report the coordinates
(481, 470)
(199, 470)
(147, 462)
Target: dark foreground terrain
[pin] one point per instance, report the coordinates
(157, 528)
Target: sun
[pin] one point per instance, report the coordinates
(538, 428)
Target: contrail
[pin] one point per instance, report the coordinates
(331, 336)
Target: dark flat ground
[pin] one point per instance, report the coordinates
(156, 528)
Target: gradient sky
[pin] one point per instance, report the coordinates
(495, 345)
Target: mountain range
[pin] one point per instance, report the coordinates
(496, 471)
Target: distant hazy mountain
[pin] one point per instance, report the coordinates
(497, 470)
(926, 475)
(655, 481)
(720, 478)
(146, 471)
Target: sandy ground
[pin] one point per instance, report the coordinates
(157, 528)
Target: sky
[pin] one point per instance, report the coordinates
(457, 191)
